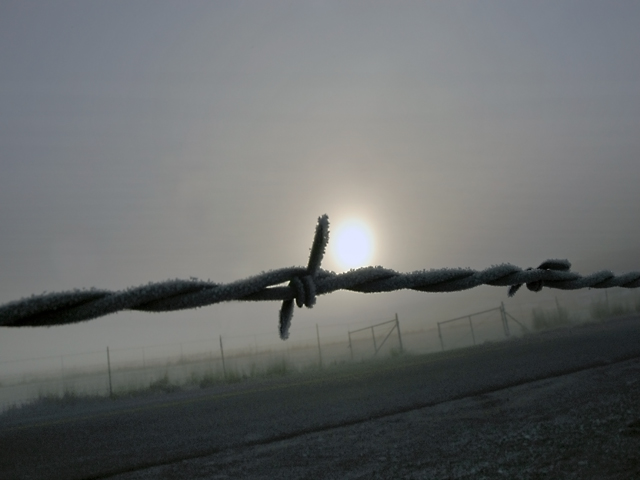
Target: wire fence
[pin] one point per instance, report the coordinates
(304, 285)
(228, 359)
(362, 340)
(124, 371)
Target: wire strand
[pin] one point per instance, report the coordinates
(303, 286)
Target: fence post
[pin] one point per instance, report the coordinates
(319, 349)
(350, 346)
(558, 309)
(375, 347)
(504, 320)
(109, 370)
(473, 335)
(224, 368)
(440, 335)
(399, 336)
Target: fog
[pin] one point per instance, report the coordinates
(142, 141)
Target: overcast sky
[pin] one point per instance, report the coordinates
(141, 141)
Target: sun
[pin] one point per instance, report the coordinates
(353, 245)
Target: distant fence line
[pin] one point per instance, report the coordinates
(105, 377)
(242, 359)
(240, 352)
(217, 349)
(106, 372)
(606, 300)
(145, 350)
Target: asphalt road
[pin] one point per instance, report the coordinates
(103, 438)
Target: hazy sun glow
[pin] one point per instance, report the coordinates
(352, 244)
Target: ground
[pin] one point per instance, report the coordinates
(583, 425)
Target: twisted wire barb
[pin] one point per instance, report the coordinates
(303, 286)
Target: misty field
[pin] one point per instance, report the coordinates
(172, 367)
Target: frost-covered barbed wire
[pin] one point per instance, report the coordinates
(303, 286)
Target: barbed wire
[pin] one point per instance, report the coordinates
(303, 286)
